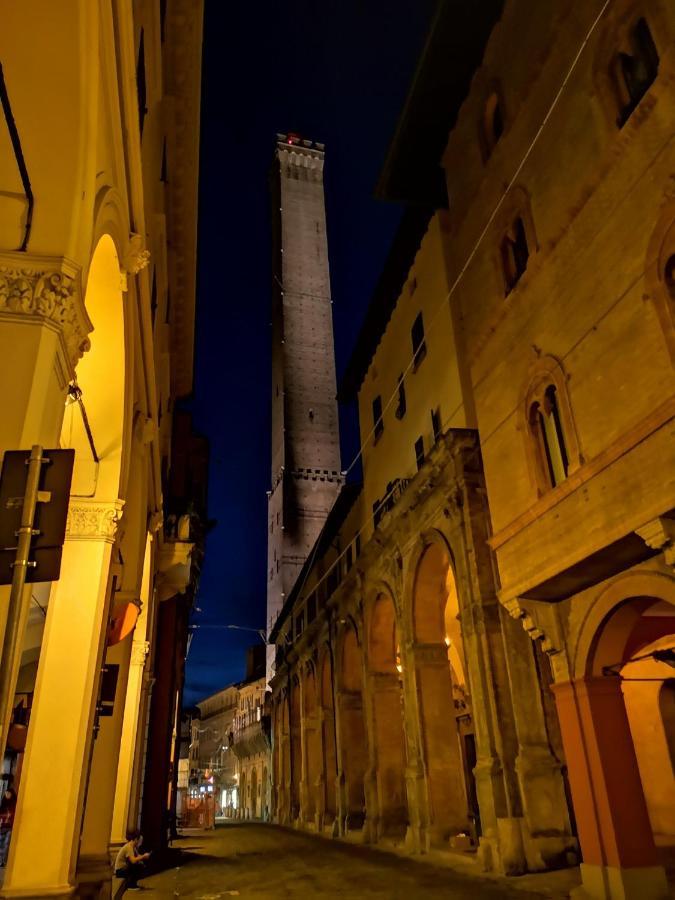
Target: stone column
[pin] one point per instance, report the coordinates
(388, 758)
(443, 765)
(130, 748)
(60, 736)
(620, 859)
(548, 839)
(43, 334)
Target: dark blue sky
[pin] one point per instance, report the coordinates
(335, 71)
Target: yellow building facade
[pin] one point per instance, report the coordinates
(515, 390)
(98, 199)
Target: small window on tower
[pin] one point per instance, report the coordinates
(141, 88)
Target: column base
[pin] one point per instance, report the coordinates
(612, 883)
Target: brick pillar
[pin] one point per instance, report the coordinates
(620, 860)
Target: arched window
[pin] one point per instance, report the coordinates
(551, 440)
(548, 432)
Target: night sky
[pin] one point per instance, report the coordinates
(335, 71)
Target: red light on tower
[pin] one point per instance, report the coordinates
(293, 138)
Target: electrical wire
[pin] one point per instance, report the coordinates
(491, 218)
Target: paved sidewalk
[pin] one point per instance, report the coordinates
(263, 861)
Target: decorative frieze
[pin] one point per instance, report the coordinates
(93, 520)
(139, 652)
(46, 288)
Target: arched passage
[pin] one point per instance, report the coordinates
(444, 708)
(79, 602)
(615, 734)
(388, 742)
(353, 742)
(328, 741)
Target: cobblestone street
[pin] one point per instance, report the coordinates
(263, 861)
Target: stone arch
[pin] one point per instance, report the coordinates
(353, 740)
(442, 696)
(613, 730)
(388, 752)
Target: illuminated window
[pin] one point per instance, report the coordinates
(378, 422)
(419, 345)
(401, 407)
(635, 69)
(548, 432)
(515, 254)
(419, 452)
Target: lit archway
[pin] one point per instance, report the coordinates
(254, 794)
(614, 732)
(295, 748)
(384, 672)
(444, 706)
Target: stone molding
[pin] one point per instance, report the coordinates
(541, 622)
(136, 258)
(47, 288)
(659, 534)
(93, 520)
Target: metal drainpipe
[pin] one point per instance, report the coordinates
(20, 161)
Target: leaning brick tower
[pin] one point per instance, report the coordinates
(305, 435)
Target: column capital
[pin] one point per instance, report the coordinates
(659, 534)
(93, 520)
(47, 289)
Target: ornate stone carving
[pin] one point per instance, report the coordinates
(92, 520)
(430, 654)
(542, 623)
(137, 256)
(139, 652)
(48, 289)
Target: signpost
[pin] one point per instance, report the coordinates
(34, 493)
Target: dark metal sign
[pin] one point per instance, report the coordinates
(49, 525)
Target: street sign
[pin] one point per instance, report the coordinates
(49, 526)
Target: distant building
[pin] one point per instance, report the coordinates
(217, 762)
(251, 739)
(305, 434)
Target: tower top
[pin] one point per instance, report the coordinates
(297, 142)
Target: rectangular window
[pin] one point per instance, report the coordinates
(153, 296)
(515, 254)
(436, 423)
(311, 608)
(349, 558)
(419, 344)
(419, 452)
(400, 409)
(377, 416)
(358, 545)
(377, 512)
